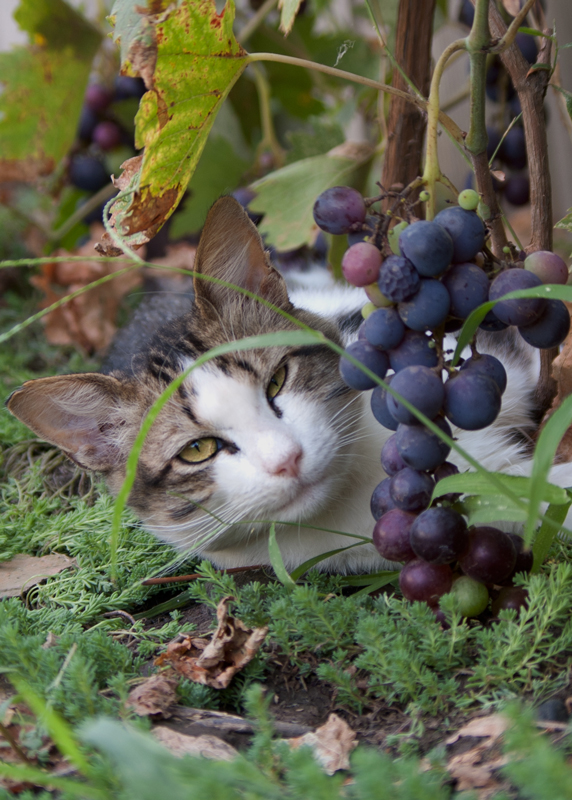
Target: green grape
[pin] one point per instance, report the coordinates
(469, 199)
(424, 196)
(393, 236)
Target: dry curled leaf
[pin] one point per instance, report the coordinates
(89, 320)
(490, 728)
(153, 696)
(181, 744)
(22, 572)
(332, 743)
(215, 661)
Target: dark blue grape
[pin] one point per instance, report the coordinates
(428, 308)
(391, 461)
(420, 448)
(415, 348)
(88, 173)
(425, 582)
(381, 501)
(87, 122)
(489, 365)
(126, 87)
(466, 229)
(391, 535)
(466, 13)
(513, 149)
(370, 357)
(494, 139)
(379, 407)
(422, 388)
(398, 278)
(472, 400)
(468, 288)
(490, 557)
(411, 490)
(439, 536)
(551, 329)
(428, 246)
(339, 209)
(517, 190)
(384, 328)
(492, 323)
(244, 195)
(527, 46)
(516, 312)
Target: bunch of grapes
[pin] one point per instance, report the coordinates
(427, 282)
(103, 139)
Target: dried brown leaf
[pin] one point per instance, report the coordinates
(472, 772)
(490, 728)
(153, 696)
(332, 743)
(22, 572)
(215, 661)
(181, 744)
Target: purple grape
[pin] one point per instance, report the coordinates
(511, 597)
(494, 139)
(551, 329)
(87, 173)
(411, 490)
(468, 288)
(488, 365)
(527, 46)
(361, 263)
(439, 536)
(384, 328)
(398, 279)
(516, 312)
(513, 149)
(492, 323)
(87, 121)
(422, 388)
(472, 400)
(391, 461)
(549, 267)
(428, 246)
(244, 195)
(466, 229)
(428, 308)
(379, 407)
(524, 559)
(446, 470)
(381, 501)
(415, 348)
(126, 87)
(467, 13)
(97, 98)
(107, 135)
(490, 557)
(391, 535)
(420, 448)
(517, 190)
(425, 582)
(370, 357)
(338, 209)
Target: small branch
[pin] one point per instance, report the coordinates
(7, 734)
(269, 139)
(109, 190)
(512, 29)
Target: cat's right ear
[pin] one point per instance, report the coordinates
(82, 414)
(232, 250)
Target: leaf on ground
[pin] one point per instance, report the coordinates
(89, 320)
(490, 728)
(287, 225)
(181, 744)
(332, 743)
(153, 696)
(22, 572)
(475, 768)
(288, 9)
(189, 59)
(215, 661)
(43, 88)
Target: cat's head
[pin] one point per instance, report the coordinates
(250, 435)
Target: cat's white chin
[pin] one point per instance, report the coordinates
(306, 500)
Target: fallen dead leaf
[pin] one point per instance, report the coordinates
(153, 696)
(22, 572)
(472, 772)
(181, 744)
(490, 728)
(89, 320)
(332, 743)
(215, 661)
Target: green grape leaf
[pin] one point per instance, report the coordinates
(289, 9)
(290, 224)
(218, 172)
(43, 87)
(490, 508)
(471, 483)
(189, 59)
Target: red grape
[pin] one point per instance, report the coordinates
(490, 557)
(419, 580)
(391, 535)
(361, 263)
(549, 267)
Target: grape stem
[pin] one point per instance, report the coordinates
(432, 171)
(269, 140)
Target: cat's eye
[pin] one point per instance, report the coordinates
(200, 450)
(276, 383)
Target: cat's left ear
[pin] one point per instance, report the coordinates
(232, 250)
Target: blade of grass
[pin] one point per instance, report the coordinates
(311, 562)
(277, 561)
(547, 532)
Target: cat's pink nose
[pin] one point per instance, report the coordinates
(290, 465)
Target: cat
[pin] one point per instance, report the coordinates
(256, 435)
